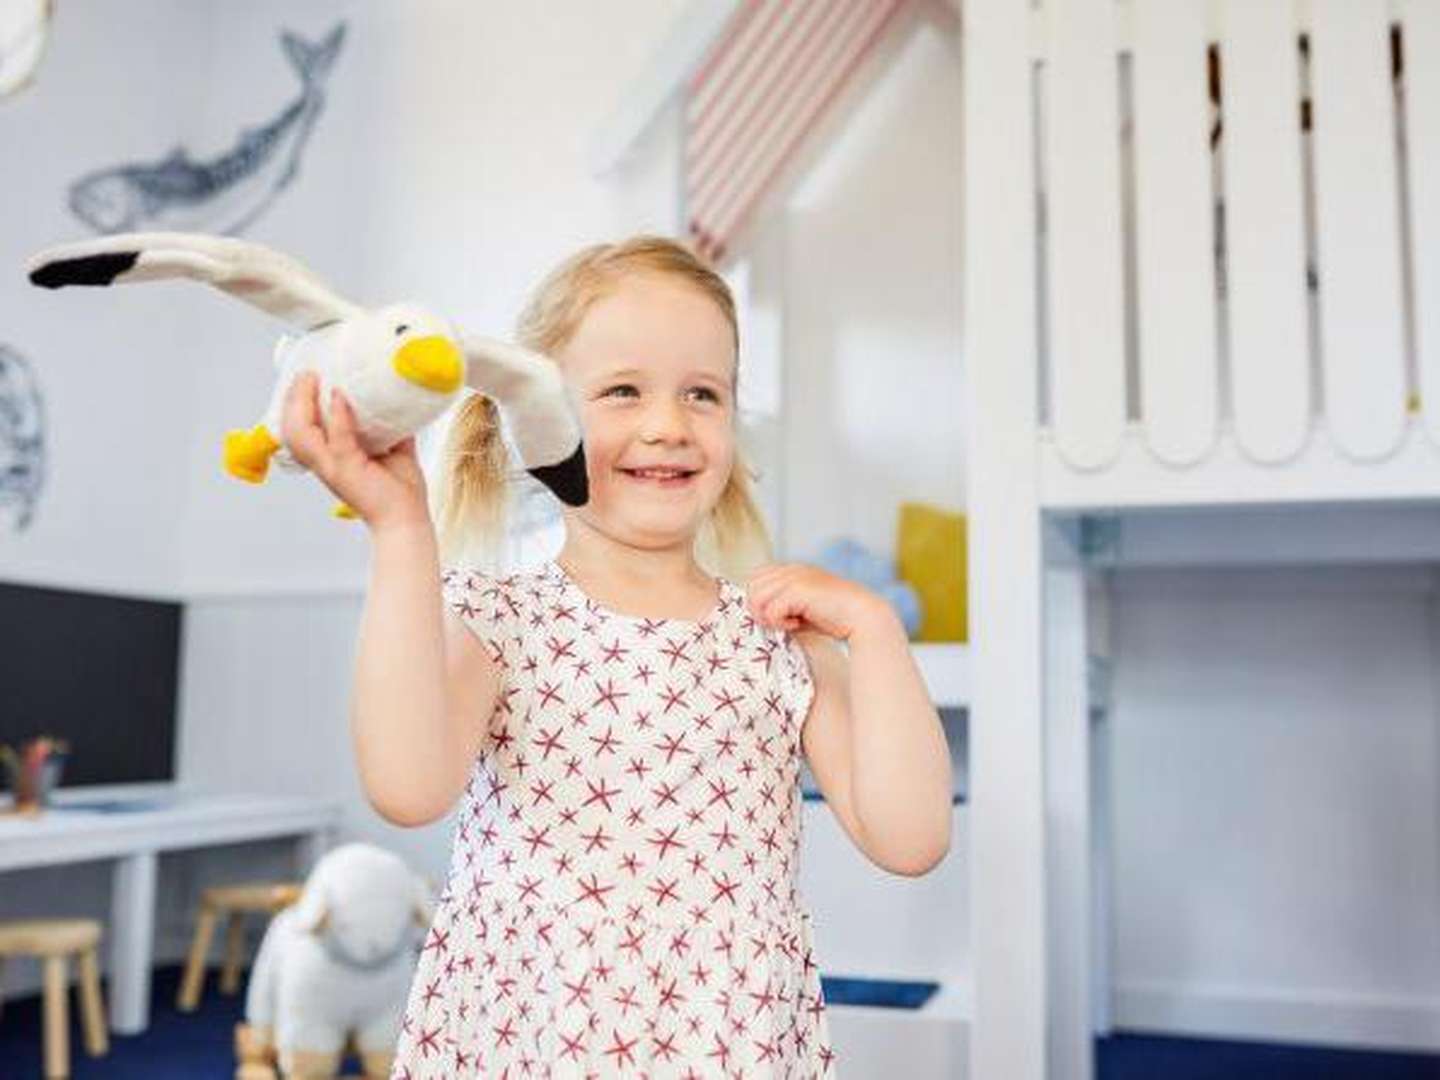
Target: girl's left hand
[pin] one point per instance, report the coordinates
(796, 597)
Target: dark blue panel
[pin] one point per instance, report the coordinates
(884, 993)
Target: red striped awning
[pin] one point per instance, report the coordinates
(757, 96)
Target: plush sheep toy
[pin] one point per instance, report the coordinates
(399, 366)
(337, 965)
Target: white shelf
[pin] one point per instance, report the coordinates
(932, 1041)
(946, 668)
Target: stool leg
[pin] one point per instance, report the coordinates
(255, 1052)
(309, 1065)
(57, 1020)
(189, 996)
(92, 1007)
(234, 953)
(377, 1064)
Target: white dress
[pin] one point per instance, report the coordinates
(622, 896)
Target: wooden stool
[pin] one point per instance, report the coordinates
(51, 941)
(237, 901)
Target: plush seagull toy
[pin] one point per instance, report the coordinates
(399, 366)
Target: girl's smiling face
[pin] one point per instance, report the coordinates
(652, 364)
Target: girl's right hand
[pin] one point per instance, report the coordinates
(384, 490)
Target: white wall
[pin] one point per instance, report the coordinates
(1277, 822)
(871, 257)
(117, 371)
(240, 538)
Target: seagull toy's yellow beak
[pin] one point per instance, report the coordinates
(432, 362)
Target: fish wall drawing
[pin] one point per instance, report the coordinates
(227, 193)
(22, 440)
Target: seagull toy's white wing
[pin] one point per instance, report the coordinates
(261, 276)
(532, 395)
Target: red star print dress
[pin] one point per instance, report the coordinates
(622, 896)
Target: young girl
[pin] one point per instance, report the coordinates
(625, 729)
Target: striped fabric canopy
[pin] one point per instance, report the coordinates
(758, 94)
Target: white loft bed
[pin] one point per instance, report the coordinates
(1122, 412)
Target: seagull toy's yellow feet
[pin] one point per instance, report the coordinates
(343, 510)
(248, 453)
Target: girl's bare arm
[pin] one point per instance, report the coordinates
(876, 746)
(425, 687)
(872, 736)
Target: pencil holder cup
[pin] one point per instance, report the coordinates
(33, 772)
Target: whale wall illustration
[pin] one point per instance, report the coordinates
(227, 193)
(22, 441)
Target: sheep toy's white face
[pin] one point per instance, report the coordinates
(371, 925)
(362, 902)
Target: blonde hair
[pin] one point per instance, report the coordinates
(474, 491)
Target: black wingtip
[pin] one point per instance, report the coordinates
(568, 479)
(86, 270)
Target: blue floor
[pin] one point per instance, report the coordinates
(199, 1045)
(1145, 1057)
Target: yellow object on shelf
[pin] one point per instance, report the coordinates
(930, 554)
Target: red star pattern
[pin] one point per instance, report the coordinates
(622, 897)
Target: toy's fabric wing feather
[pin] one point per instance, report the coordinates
(269, 280)
(532, 395)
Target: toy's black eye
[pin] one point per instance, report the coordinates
(401, 329)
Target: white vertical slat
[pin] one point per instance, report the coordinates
(1067, 797)
(1087, 332)
(1175, 230)
(1357, 212)
(1100, 652)
(1007, 827)
(1264, 237)
(1421, 27)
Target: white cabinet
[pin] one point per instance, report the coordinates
(872, 924)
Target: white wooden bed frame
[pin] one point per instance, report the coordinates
(1108, 380)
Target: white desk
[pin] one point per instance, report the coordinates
(133, 833)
